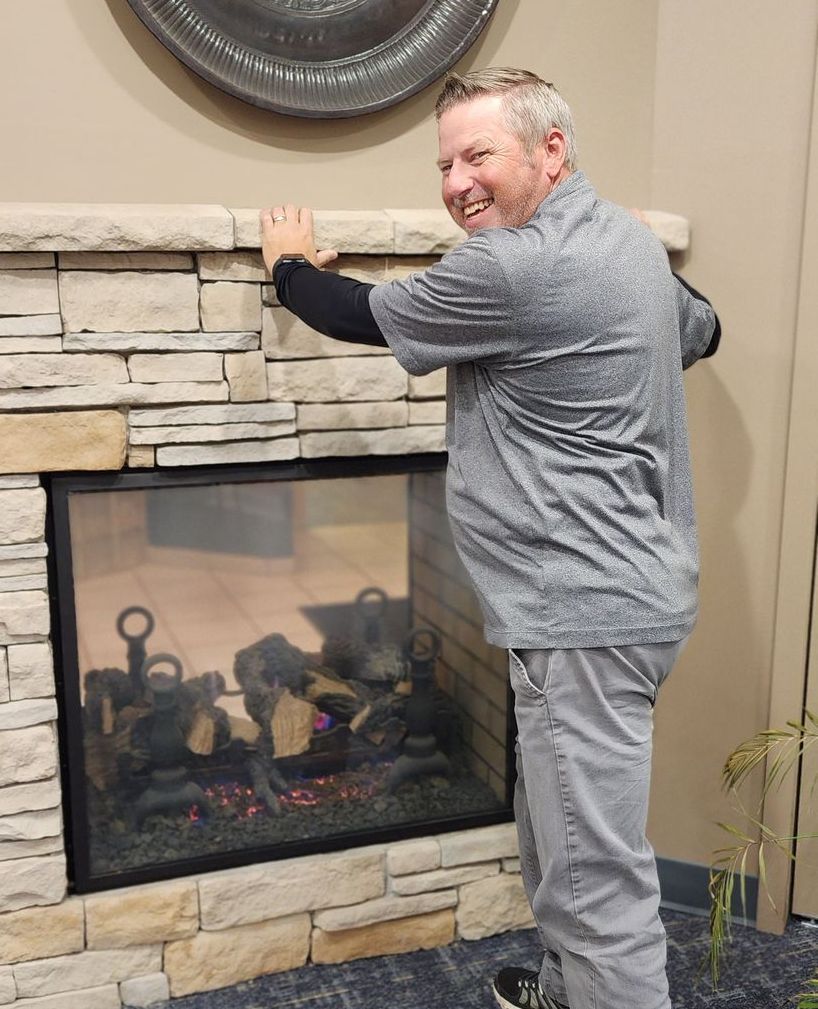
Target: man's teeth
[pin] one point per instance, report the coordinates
(475, 208)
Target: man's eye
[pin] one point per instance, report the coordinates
(479, 156)
(445, 169)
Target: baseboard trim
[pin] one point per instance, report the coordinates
(684, 888)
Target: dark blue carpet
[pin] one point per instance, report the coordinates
(763, 972)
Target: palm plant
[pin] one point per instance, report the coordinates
(776, 752)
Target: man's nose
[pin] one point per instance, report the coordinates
(459, 181)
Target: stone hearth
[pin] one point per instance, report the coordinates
(136, 337)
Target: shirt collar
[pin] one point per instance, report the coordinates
(575, 183)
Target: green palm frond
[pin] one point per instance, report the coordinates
(721, 899)
(731, 863)
(808, 999)
(777, 751)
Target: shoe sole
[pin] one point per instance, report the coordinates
(504, 1003)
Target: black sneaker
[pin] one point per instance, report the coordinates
(517, 988)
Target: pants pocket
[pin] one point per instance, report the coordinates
(530, 670)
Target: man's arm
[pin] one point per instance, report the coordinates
(690, 346)
(452, 312)
(694, 321)
(332, 304)
(338, 306)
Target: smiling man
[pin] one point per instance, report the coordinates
(569, 493)
(492, 176)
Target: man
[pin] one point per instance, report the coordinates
(569, 494)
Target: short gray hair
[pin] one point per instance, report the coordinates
(531, 105)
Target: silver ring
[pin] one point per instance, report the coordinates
(280, 218)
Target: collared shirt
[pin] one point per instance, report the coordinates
(568, 488)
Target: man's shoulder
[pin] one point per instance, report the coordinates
(521, 252)
(481, 252)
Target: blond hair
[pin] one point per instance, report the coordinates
(531, 106)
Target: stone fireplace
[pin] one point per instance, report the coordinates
(138, 343)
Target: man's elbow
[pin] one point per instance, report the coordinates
(715, 339)
(705, 345)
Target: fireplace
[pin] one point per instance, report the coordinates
(138, 344)
(259, 663)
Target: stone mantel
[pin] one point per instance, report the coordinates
(134, 227)
(148, 335)
(145, 336)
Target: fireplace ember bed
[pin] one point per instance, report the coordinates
(259, 663)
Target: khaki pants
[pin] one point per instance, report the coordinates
(584, 724)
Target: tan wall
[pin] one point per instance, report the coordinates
(102, 112)
(692, 107)
(732, 116)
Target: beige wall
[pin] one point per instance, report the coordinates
(682, 105)
(731, 133)
(102, 112)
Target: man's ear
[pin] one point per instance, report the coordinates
(554, 146)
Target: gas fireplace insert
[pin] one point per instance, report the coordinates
(262, 662)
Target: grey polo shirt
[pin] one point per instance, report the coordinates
(568, 486)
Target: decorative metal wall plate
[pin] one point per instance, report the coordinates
(317, 58)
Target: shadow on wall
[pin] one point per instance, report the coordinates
(309, 136)
(719, 693)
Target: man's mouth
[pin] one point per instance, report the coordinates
(471, 210)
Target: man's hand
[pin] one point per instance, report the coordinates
(289, 229)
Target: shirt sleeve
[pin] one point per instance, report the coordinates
(457, 310)
(699, 327)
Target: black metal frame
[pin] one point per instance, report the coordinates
(66, 665)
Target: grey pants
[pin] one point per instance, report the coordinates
(585, 721)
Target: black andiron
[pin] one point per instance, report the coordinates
(137, 652)
(370, 606)
(170, 790)
(421, 755)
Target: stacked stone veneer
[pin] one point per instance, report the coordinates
(141, 944)
(147, 336)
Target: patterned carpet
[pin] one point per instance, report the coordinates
(763, 972)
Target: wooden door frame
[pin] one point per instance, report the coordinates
(805, 871)
(795, 572)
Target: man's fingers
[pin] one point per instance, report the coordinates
(305, 216)
(326, 256)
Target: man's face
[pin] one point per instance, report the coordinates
(488, 181)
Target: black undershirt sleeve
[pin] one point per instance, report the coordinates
(332, 304)
(713, 346)
(338, 306)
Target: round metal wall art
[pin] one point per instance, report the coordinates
(317, 58)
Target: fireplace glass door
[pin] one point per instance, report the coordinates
(269, 663)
